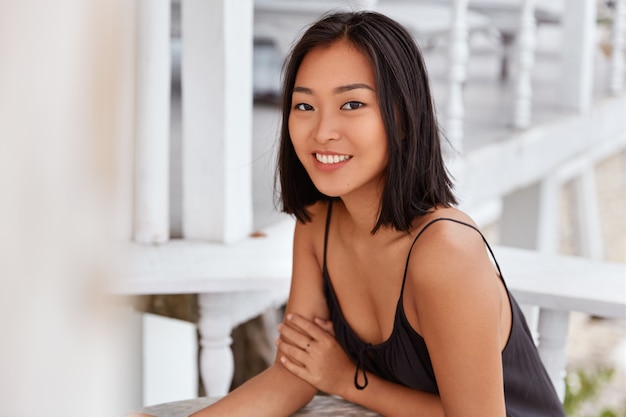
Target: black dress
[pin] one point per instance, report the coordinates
(404, 358)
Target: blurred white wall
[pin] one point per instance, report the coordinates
(65, 109)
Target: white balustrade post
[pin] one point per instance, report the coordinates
(216, 357)
(588, 214)
(553, 327)
(548, 221)
(521, 224)
(217, 119)
(525, 60)
(457, 63)
(577, 54)
(153, 69)
(618, 45)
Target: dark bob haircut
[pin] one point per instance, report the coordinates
(416, 177)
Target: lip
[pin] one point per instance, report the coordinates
(333, 166)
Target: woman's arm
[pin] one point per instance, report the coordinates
(277, 392)
(274, 392)
(310, 351)
(463, 315)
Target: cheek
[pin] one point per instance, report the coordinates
(296, 138)
(298, 133)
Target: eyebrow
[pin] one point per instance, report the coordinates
(337, 90)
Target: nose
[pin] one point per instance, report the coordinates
(328, 127)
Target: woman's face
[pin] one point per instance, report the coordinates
(335, 123)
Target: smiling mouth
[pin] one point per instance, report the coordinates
(331, 159)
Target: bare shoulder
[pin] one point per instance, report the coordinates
(312, 232)
(449, 250)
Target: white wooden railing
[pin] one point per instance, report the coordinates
(557, 284)
(238, 276)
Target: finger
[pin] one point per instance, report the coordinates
(292, 367)
(306, 325)
(293, 353)
(325, 325)
(293, 335)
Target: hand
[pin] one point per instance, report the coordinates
(310, 351)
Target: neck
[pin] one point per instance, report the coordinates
(362, 208)
(362, 216)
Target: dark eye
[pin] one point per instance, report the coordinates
(352, 105)
(303, 107)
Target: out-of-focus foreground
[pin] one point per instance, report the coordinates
(61, 96)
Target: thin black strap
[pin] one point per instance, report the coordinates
(330, 210)
(406, 267)
(364, 349)
(359, 367)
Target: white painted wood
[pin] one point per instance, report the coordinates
(525, 157)
(549, 214)
(588, 214)
(216, 357)
(130, 363)
(457, 58)
(217, 119)
(185, 266)
(219, 314)
(283, 20)
(519, 223)
(551, 281)
(525, 59)
(553, 328)
(151, 194)
(579, 34)
(523, 225)
(580, 170)
(618, 45)
(565, 283)
(170, 360)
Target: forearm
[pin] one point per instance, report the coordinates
(274, 393)
(394, 400)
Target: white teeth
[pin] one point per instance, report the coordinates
(331, 159)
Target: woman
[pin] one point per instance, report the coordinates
(395, 303)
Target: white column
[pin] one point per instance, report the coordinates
(618, 44)
(549, 209)
(216, 357)
(588, 213)
(217, 119)
(151, 202)
(577, 52)
(125, 135)
(522, 214)
(457, 58)
(553, 327)
(525, 61)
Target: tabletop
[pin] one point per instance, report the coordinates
(320, 406)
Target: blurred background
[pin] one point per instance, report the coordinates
(142, 258)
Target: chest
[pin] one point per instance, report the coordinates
(367, 287)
